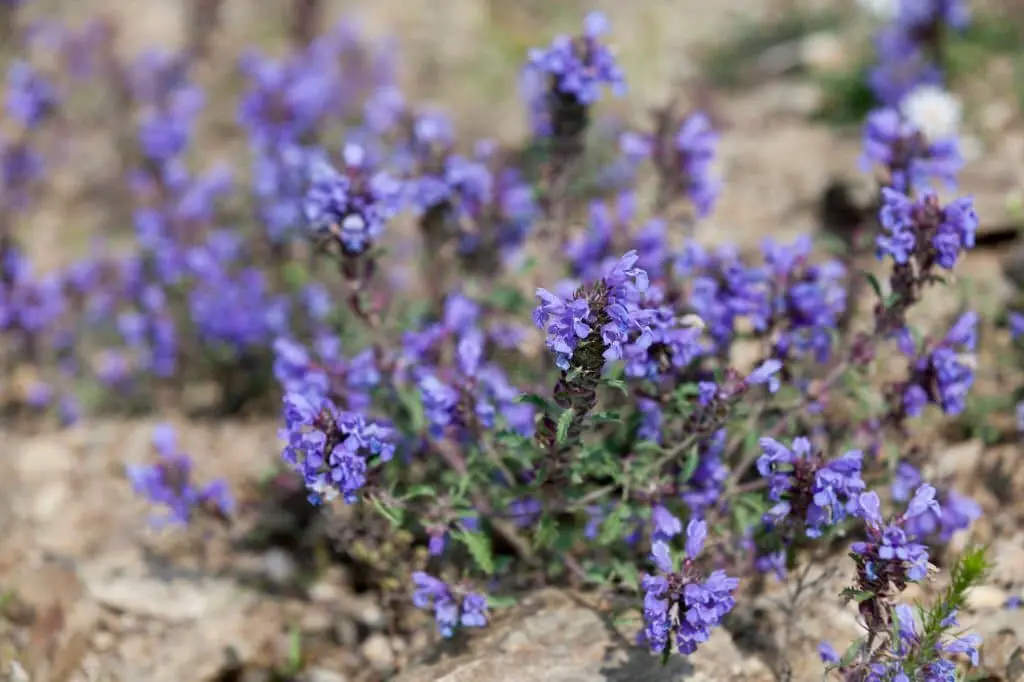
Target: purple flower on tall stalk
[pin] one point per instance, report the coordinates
(169, 483)
(889, 559)
(352, 206)
(561, 84)
(943, 374)
(807, 487)
(910, 159)
(683, 606)
(610, 308)
(956, 512)
(925, 230)
(332, 450)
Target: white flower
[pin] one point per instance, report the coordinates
(933, 111)
(884, 10)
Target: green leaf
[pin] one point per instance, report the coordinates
(690, 464)
(536, 401)
(392, 514)
(527, 266)
(410, 399)
(611, 528)
(295, 275)
(495, 602)
(295, 651)
(876, 286)
(858, 595)
(609, 417)
(564, 422)
(479, 546)
(546, 533)
(511, 439)
(851, 653)
(628, 574)
(618, 384)
(419, 491)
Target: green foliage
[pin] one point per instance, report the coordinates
(479, 547)
(847, 98)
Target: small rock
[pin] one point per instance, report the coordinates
(16, 673)
(378, 652)
(557, 637)
(823, 52)
(346, 632)
(102, 641)
(1007, 555)
(324, 591)
(986, 597)
(316, 620)
(124, 586)
(959, 460)
(364, 609)
(323, 675)
(996, 116)
(279, 566)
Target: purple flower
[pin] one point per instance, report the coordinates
(925, 230)
(169, 483)
(828, 654)
(696, 144)
(902, 66)
(805, 486)
(666, 346)
(331, 450)
(807, 300)
(945, 374)
(30, 97)
(892, 142)
(353, 206)
(619, 294)
(686, 603)
(439, 404)
(889, 554)
(666, 524)
(570, 73)
(1016, 321)
(431, 592)
(284, 99)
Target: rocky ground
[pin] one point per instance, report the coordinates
(93, 593)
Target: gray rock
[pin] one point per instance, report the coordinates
(557, 637)
(786, 623)
(323, 675)
(378, 652)
(129, 589)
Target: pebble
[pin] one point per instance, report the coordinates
(823, 52)
(16, 673)
(279, 566)
(102, 641)
(378, 652)
(346, 632)
(324, 675)
(986, 597)
(365, 610)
